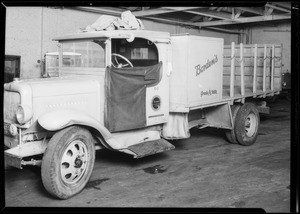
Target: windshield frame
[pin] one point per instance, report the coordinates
(83, 70)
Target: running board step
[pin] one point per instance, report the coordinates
(150, 148)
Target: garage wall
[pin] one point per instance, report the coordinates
(276, 33)
(29, 31)
(23, 37)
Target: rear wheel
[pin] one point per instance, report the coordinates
(68, 162)
(247, 124)
(230, 134)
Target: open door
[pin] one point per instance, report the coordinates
(126, 96)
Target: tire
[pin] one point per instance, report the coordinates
(230, 134)
(68, 162)
(247, 124)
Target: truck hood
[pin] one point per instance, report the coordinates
(43, 95)
(52, 86)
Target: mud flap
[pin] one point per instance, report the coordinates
(150, 148)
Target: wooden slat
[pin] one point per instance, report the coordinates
(265, 67)
(248, 82)
(232, 70)
(250, 45)
(248, 52)
(248, 62)
(272, 68)
(60, 62)
(248, 71)
(255, 69)
(242, 69)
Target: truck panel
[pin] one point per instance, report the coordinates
(197, 71)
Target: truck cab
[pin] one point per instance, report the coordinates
(112, 91)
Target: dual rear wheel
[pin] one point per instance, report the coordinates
(245, 124)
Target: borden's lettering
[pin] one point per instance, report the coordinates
(199, 69)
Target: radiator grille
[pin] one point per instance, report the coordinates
(11, 102)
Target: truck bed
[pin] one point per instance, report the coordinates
(207, 73)
(256, 71)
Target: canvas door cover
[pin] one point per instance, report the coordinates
(126, 96)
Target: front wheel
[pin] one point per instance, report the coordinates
(247, 123)
(68, 162)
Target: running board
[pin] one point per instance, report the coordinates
(150, 147)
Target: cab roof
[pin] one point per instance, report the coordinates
(150, 35)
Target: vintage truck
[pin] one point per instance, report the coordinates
(130, 91)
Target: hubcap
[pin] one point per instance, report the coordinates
(74, 162)
(250, 125)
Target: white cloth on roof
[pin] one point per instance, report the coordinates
(105, 22)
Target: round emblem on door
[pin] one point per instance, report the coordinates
(156, 103)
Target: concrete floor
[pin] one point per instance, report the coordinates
(203, 171)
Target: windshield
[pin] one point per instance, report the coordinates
(84, 54)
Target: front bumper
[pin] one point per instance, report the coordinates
(13, 160)
(14, 156)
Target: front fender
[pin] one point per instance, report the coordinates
(59, 119)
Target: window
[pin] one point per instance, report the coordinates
(11, 68)
(84, 54)
(140, 52)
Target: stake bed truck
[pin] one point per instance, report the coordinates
(131, 91)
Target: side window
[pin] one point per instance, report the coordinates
(141, 52)
(11, 68)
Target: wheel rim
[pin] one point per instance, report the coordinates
(250, 125)
(74, 162)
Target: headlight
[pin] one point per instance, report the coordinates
(23, 114)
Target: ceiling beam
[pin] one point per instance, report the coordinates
(238, 14)
(277, 8)
(168, 21)
(209, 13)
(200, 24)
(196, 18)
(257, 11)
(133, 8)
(152, 12)
(113, 12)
(98, 10)
(268, 11)
(219, 9)
(244, 20)
(285, 5)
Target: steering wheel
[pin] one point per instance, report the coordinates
(120, 65)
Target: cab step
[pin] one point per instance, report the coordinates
(150, 147)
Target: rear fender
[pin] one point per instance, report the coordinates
(60, 119)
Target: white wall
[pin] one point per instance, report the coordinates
(29, 31)
(279, 33)
(23, 37)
